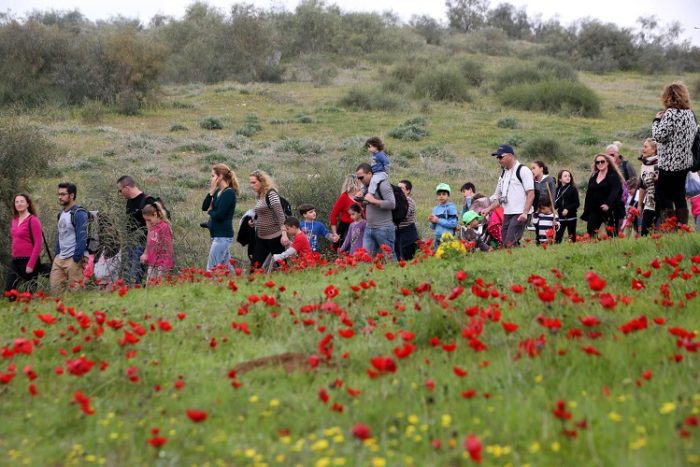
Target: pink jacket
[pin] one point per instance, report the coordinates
(159, 247)
(22, 246)
(695, 205)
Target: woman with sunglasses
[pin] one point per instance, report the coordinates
(604, 196)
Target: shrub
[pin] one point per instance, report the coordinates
(301, 146)
(128, 103)
(303, 118)
(473, 71)
(406, 71)
(182, 105)
(515, 140)
(442, 84)
(194, 147)
(507, 122)
(437, 152)
(544, 69)
(588, 139)
(394, 85)
(92, 112)
(251, 126)
(178, 127)
(562, 97)
(370, 99)
(278, 121)
(547, 149)
(211, 123)
(411, 130)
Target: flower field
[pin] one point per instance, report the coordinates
(582, 354)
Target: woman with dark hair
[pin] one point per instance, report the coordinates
(545, 186)
(25, 232)
(673, 130)
(406, 232)
(220, 204)
(566, 202)
(270, 233)
(340, 219)
(603, 202)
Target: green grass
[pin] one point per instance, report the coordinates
(278, 418)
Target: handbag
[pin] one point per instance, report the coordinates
(692, 184)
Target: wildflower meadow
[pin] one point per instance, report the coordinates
(583, 354)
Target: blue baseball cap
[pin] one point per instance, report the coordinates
(503, 149)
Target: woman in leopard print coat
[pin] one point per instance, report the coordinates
(674, 130)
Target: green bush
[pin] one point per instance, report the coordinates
(436, 152)
(414, 129)
(544, 69)
(301, 146)
(92, 112)
(128, 103)
(563, 97)
(515, 140)
(509, 122)
(304, 118)
(211, 123)
(442, 84)
(473, 71)
(178, 127)
(370, 99)
(194, 147)
(395, 85)
(547, 149)
(251, 126)
(406, 71)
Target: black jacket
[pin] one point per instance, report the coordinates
(567, 198)
(608, 191)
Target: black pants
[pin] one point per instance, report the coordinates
(670, 190)
(405, 245)
(649, 218)
(341, 229)
(564, 225)
(263, 247)
(17, 275)
(596, 219)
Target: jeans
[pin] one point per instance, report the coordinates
(377, 236)
(219, 253)
(135, 269)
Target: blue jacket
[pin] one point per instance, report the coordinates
(380, 162)
(447, 219)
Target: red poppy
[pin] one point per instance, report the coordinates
(517, 288)
(560, 411)
(472, 444)
(323, 395)
(22, 345)
(384, 364)
(509, 327)
(84, 402)
(48, 318)
(595, 282)
(607, 300)
(361, 431)
(589, 321)
(469, 393)
(461, 275)
(460, 372)
(590, 350)
(637, 284)
(331, 292)
(197, 415)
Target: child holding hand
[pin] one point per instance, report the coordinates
(353, 239)
(158, 256)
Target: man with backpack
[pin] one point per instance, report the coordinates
(71, 242)
(515, 191)
(136, 229)
(380, 229)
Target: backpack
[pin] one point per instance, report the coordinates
(400, 211)
(148, 199)
(286, 207)
(93, 239)
(695, 149)
(536, 200)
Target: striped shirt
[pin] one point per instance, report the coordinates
(545, 223)
(410, 215)
(269, 220)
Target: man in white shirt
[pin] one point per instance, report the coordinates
(515, 191)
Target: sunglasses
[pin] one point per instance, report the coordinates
(360, 177)
(499, 157)
(600, 162)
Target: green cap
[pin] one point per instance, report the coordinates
(470, 216)
(443, 187)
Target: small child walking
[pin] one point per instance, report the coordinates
(353, 239)
(468, 232)
(444, 216)
(545, 225)
(380, 164)
(159, 256)
(313, 228)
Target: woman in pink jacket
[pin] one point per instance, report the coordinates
(26, 243)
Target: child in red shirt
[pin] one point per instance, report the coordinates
(300, 245)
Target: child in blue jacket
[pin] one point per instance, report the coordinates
(444, 217)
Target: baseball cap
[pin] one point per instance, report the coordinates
(443, 187)
(503, 149)
(470, 216)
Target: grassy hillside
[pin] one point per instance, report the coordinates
(100, 378)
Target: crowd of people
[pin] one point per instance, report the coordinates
(371, 215)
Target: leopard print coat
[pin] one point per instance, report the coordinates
(674, 134)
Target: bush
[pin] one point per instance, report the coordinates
(547, 149)
(473, 71)
(251, 126)
(128, 103)
(563, 97)
(178, 127)
(411, 130)
(304, 118)
(507, 122)
(211, 123)
(394, 85)
(370, 99)
(92, 112)
(301, 146)
(442, 84)
(406, 71)
(515, 140)
(436, 152)
(544, 69)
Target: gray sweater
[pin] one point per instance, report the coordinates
(380, 216)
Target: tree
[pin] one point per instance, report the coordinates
(466, 15)
(427, 27)
(512, 21)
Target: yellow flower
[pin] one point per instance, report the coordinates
(534, 447)
(323, 462)
(320, 445)
(446, 420)
(614, 416)
(538, 379)
(274, 403)
(378, 462)
(667, 408)
(555, 446)
(412, 419)
(339, 461)
(253, 399)
(638, 444)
